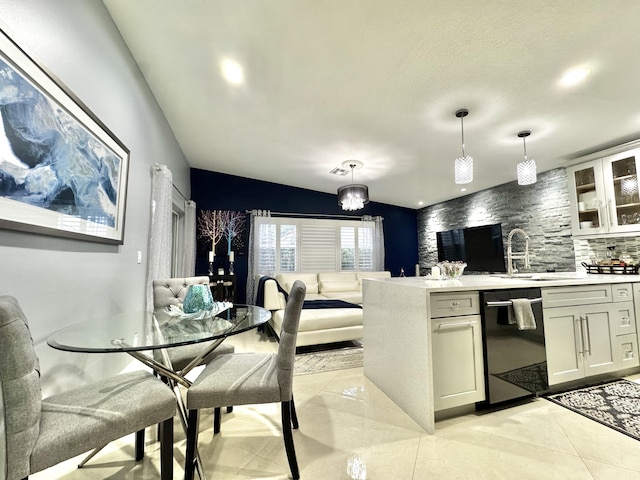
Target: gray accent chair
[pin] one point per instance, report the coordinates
(37, 433)
(171, 291)
(251, 378)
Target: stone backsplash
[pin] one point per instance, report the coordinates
(596, 249)
(541, 210)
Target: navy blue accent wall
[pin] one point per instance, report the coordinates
(218, 191)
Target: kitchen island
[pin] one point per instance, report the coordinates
(400, 315)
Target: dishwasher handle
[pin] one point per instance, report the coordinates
(508, 303)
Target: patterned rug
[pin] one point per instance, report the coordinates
(615, 404)
(532, 377)
(328, 358)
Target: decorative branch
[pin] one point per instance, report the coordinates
(211, 224)
(234, 225)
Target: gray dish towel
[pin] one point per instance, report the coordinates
(524, 314)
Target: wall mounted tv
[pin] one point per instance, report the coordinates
(480, 247)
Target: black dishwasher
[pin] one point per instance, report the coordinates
(515, 360)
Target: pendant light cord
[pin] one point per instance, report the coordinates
(462, 128)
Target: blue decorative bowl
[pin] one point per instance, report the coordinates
(198, 298)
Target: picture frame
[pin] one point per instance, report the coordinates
(62, 171)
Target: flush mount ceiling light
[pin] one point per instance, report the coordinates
(527, 167)
(464, 164)
(353, 196)
(232, 71)
(574, 76)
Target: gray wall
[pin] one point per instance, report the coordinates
(60, 282)
(541, 209)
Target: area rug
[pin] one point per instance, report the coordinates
(532, 377)
(615, 404)
(328, 358)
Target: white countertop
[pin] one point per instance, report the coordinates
(497, 281)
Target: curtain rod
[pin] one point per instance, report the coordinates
(180, 193)
(313, 215)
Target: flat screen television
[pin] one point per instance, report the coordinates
(480, 247)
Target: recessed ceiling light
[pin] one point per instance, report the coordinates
(463, 189)
(232, 71)
(420, 203)
(574, 76)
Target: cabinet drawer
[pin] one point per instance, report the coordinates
(576, 295)
(622, 292)
(626, 351)
(624, 319)
(454, 304)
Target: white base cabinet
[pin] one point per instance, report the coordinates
(457, 360)
(456, 342)
(586, 340)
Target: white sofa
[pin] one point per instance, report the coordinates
(324, 325)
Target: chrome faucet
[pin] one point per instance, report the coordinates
(511, 267)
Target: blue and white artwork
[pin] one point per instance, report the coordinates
(48, 159)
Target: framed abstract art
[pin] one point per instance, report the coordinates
(62, 172)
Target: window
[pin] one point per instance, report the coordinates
(177, 234)
(362, 256)
(288, 248)
(313, 245)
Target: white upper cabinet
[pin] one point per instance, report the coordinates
(604, 196)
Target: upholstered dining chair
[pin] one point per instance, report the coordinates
(251, 378)
(37, 433)
(172, 291)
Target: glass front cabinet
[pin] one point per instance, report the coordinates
(604, 196)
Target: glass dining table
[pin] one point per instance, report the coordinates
(141, 333)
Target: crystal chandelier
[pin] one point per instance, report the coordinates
(527, 167)
(463, 164)
(353, 196)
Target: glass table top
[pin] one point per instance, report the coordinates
(138, 331)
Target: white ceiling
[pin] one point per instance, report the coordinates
(380, 80)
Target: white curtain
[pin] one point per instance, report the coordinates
(378, 242)
(159, 247)
(252, 266)
(188, 253)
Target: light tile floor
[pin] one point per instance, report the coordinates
(350, 430)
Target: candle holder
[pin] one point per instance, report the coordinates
(230, 268)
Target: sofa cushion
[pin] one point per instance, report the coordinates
(337, 277)
(309, 279)
(351, 297)
(324, 318)
(345, 286)
(315, 296)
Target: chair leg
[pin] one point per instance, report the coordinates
(288, 439)
(192, 443)
(294, 416)
(139, 445)
(165, 380)
(166, 449)
(216, 420)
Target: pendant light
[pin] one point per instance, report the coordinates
(527, 167)
(463, 164)
(353, 196)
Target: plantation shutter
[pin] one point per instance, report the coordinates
(318, 247)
